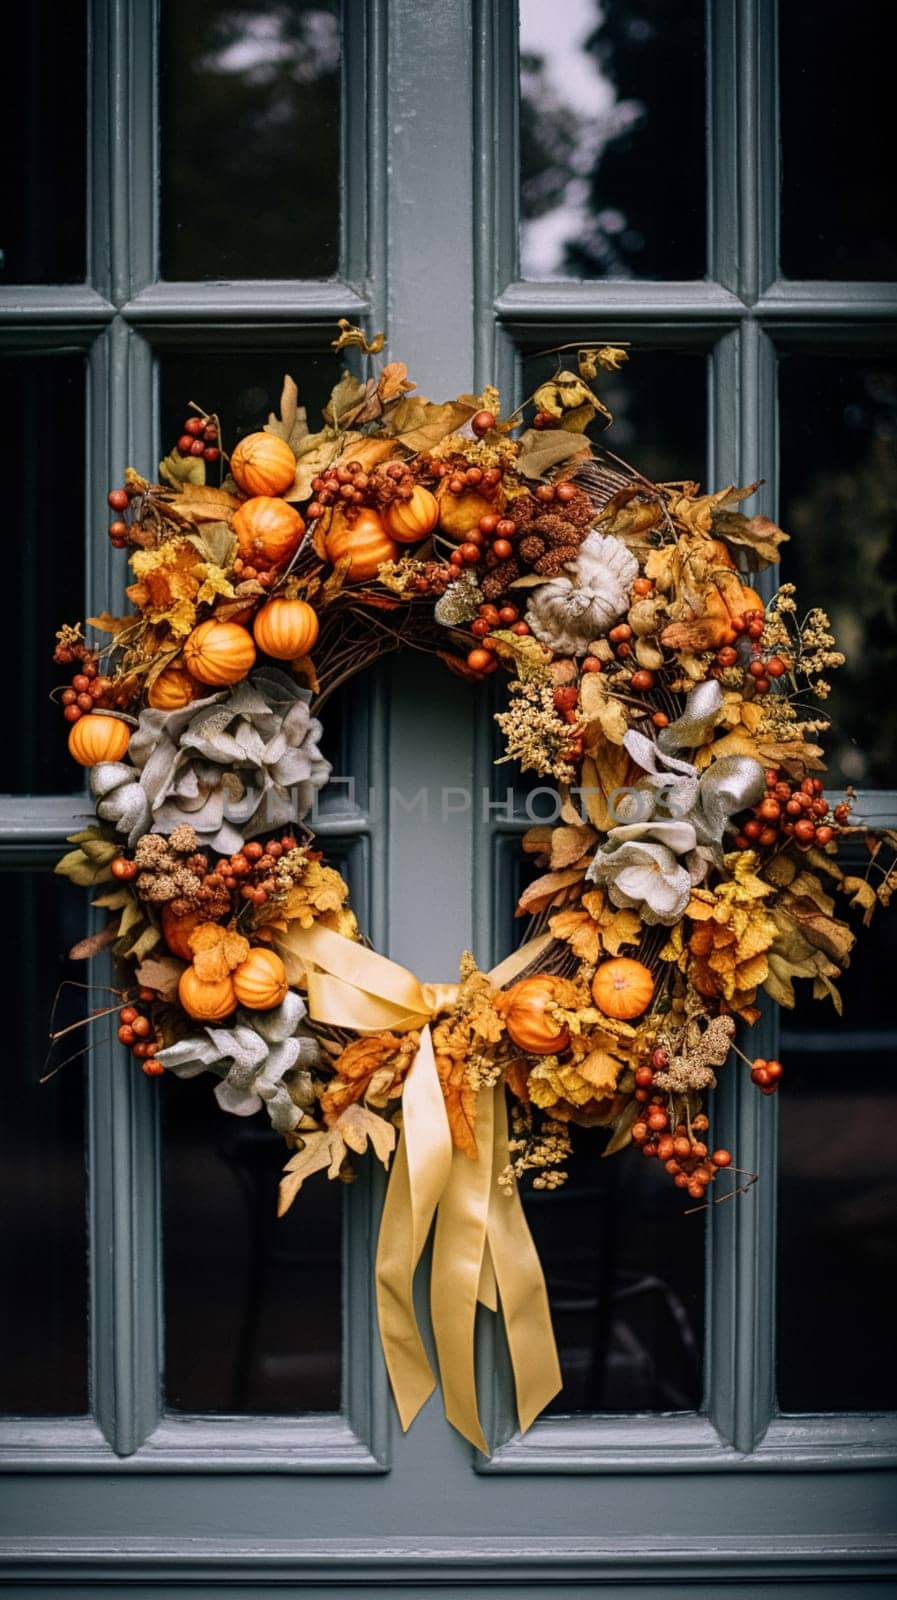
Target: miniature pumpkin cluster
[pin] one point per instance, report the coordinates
(691, 865)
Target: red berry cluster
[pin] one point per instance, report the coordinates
(688, 1160)
(487, 619)
(136, 1030)
(790, 811)
(88, 688)
(766, 1074)
(118, 501)
(250, 871)
(762, 669)
(352, 486)
(200, 438)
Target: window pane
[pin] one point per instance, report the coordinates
(43, 1242)
(625, 1275)
(623, 1264)
(839, 488)
(270, 1288)
(837, 141)
(250, 119)
(43, 130)
(838, 1192)
(252, 1301)
(44, 412)
(612, 164)
(242, 388)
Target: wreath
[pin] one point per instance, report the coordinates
(691, 865)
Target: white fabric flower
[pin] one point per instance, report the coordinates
(566, 614)
(234, 765)
(641, 869)
(252, 1059)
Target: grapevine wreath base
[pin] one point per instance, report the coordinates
(692, 867)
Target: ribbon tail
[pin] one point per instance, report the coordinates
(521, 1287)
(458, 1255)
(419, 1173)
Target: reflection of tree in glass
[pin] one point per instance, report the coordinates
(628, 179)
(250, 140)
(843, 554)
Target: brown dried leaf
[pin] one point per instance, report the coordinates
(201, 503)
(862, 895)
(569, 845)
(545, 890)
(460, 1103)
(324, 1148)
(162, 973)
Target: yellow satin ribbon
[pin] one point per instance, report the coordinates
(483, 1250)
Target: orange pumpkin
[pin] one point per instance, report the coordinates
(459, 514)
(365, 540)
(177, 929)
(409, 521)
(622, 988)
(260, 981)
(172, 690)
(219, 652)
(95, 738)
(207, 1002)
(263, 464)
(529, 1026)
(268, 531)
(286, 629)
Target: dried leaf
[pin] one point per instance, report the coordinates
(539, 451)
(217, 952)
(622, 1134)
(91, 946)
(162, 973)
(325, 1148)
(545, 890)
(862, 895)
(598, 705)
(532, 659)
(201, 503)
(601, 1070)
(358, 1124)
(569, 845)
(354, 338)
(419, 424)
(460, 1102)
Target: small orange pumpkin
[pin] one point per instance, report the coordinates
(95, 738)
(260, 982)
(622, 988)
(207, 1002)
(172, 690)
(365, 540)
(528, 1024)
(286, 629)
(177, 929)
(459, 514)
(409, 521)
(263, 464)
(268, 531)
(219, 652)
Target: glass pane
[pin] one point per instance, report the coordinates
(838, 1191)
(43, 1241)
(612, 163)
(252, 1302)
(44, 410)
(838, 144)
(250, 120)
(839, 487)
(625, 1275)
(43, 129)
(242, 388)
(624, 1265)
(269, 1288)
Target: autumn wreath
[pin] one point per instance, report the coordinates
(692, 866)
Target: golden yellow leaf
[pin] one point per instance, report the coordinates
(216, 951)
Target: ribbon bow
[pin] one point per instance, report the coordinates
(483, 1250)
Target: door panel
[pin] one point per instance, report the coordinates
(232, 1391)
